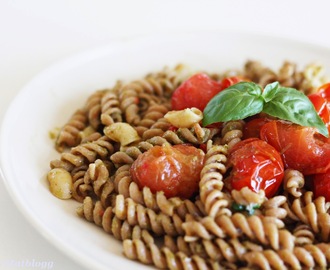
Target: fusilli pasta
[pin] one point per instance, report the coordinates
(218, 228)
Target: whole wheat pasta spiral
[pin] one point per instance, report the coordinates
(158, 202)
(136, 214)
(288, 75)
(69, 135)
(313, 213)
(98, 176)
(218, 227)
(129, 96)
(151, 116)
(84, 154)
(90, 135)
(259, 73)
(93, 107)
(129, 104)
(171, 78)
(122, 180)
(104, 217)
(80, 189)
(232, 133)
(308, 256)
(304, 235)
(293, 182)
(218, 249)
(157, 129)
(110, 111)
(91, 211)
(274, 207)
(215, 201)
(247, 197)
(307, 80)
(253, 227)
(164, 258)
(195, 135)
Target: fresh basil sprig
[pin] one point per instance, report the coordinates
(245, 99)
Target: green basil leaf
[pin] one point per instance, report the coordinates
(293, 105)
(237, 207)
(270, 91)
(236, 102)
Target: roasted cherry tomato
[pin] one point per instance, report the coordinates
(252, 128)
(321, 185)
(321, 107)
(302, 148)
(324, 91)
(196, 92)
(172, 169)
(229, 81)
(257, 165)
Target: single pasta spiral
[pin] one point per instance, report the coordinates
(164, 258)
(95, 212)
(69, 135)
(98, 176)
(137, 214)
(152, 115)
(215, 201)
(110, 111)
(84, 154)
(307, 256)
(293, 182)
(232, 132)
(273, 207)
(93, 107)
(80, 189)
(314, 213)
(253, 227)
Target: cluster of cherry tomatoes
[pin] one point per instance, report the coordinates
(269, 146)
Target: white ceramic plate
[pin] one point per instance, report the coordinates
(50, 99)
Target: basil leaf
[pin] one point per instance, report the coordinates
(236, 102)
(293, 105)
(270, 91)
(245, 99)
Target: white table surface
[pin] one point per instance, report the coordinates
(36, 33)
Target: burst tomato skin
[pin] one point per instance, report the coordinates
(196, 92)
(301, 148)
(321, 185)
(322, 108)
(175, 170)
(324, 91)
(252, 128)
(257, 165)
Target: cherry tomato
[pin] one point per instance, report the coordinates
(321, 107)
(321, 185)
(302, 148)
(324, 91)
(229, 81)
(196, 92)
(257, 165)
(252, 127)
(172, 169)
